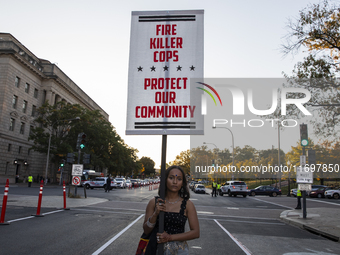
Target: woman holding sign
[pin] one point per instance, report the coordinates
(177, 210)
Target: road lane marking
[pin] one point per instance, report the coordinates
(196, 247)
(30, 217)
(309, 199)
(272, 203)
(26, 218)
(105, 211)
(127, 209)
(243, 248)
(201, 212)
(251, 222)
(116, 236)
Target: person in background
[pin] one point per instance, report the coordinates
(108, 184)
(214, 187)
(298, 195)
(30, 180)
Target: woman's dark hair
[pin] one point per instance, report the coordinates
(184, 191)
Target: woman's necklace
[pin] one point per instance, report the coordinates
(175, 201)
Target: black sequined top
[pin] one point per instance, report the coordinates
(174, 223)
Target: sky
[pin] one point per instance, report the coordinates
(89, 41)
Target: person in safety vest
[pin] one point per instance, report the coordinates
(214, 187)
(30, 180)
(218, 188)
(298, 195)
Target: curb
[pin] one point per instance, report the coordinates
(295, 219)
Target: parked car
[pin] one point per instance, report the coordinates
(234, 188)
(199, 188)
(128, 183)
(192, 185)
(294, 191)
(265, 190)
(99, 182)
(135, 183)
(318, 192)
(332, 193)
(119, 183)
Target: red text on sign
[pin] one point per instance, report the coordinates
(166, 43)
(165, 83)
(165, 56)
(166, 29)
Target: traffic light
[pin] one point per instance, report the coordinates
(61, 164)
(79, 140)
(83, 141)
(304, 134)
(70, 157)
(86, 158)
(213, 162)
(15, 161)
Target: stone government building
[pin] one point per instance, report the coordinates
(26, 82)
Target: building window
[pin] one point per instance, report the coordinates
(11, 124)
(14, 101)
(6, 171)
(9, 147)
(27, 88)
(19, 149)
(17, 81)
(22, 128)
(36, 93)
(34, 110)
(31, 128)
(24, 106)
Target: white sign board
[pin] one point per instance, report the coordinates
(166, 52)
(77, 169)
(306, 187)
(76, 180)
(302, 160)
(304, 175)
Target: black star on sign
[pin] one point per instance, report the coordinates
(192, 68)
(153, 69)
(179, 68)
(140, 69)
(166, 68)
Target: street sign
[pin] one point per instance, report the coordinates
(76, 180)
(304, 175)
(302, 160)
(306, 187)
(77, 169)
(166, 52)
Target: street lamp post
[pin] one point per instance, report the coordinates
(232, 139)
(49, 144)
(216, 157)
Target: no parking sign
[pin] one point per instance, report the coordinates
(76, 180)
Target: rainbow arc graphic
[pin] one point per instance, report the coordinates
(209, 93)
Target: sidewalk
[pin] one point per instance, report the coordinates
(321, 221)
(51, 201)
(47, 201)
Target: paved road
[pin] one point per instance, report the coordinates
(113, 225)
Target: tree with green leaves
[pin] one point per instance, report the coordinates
(107, 149)
(183, 160)
(148, 165)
